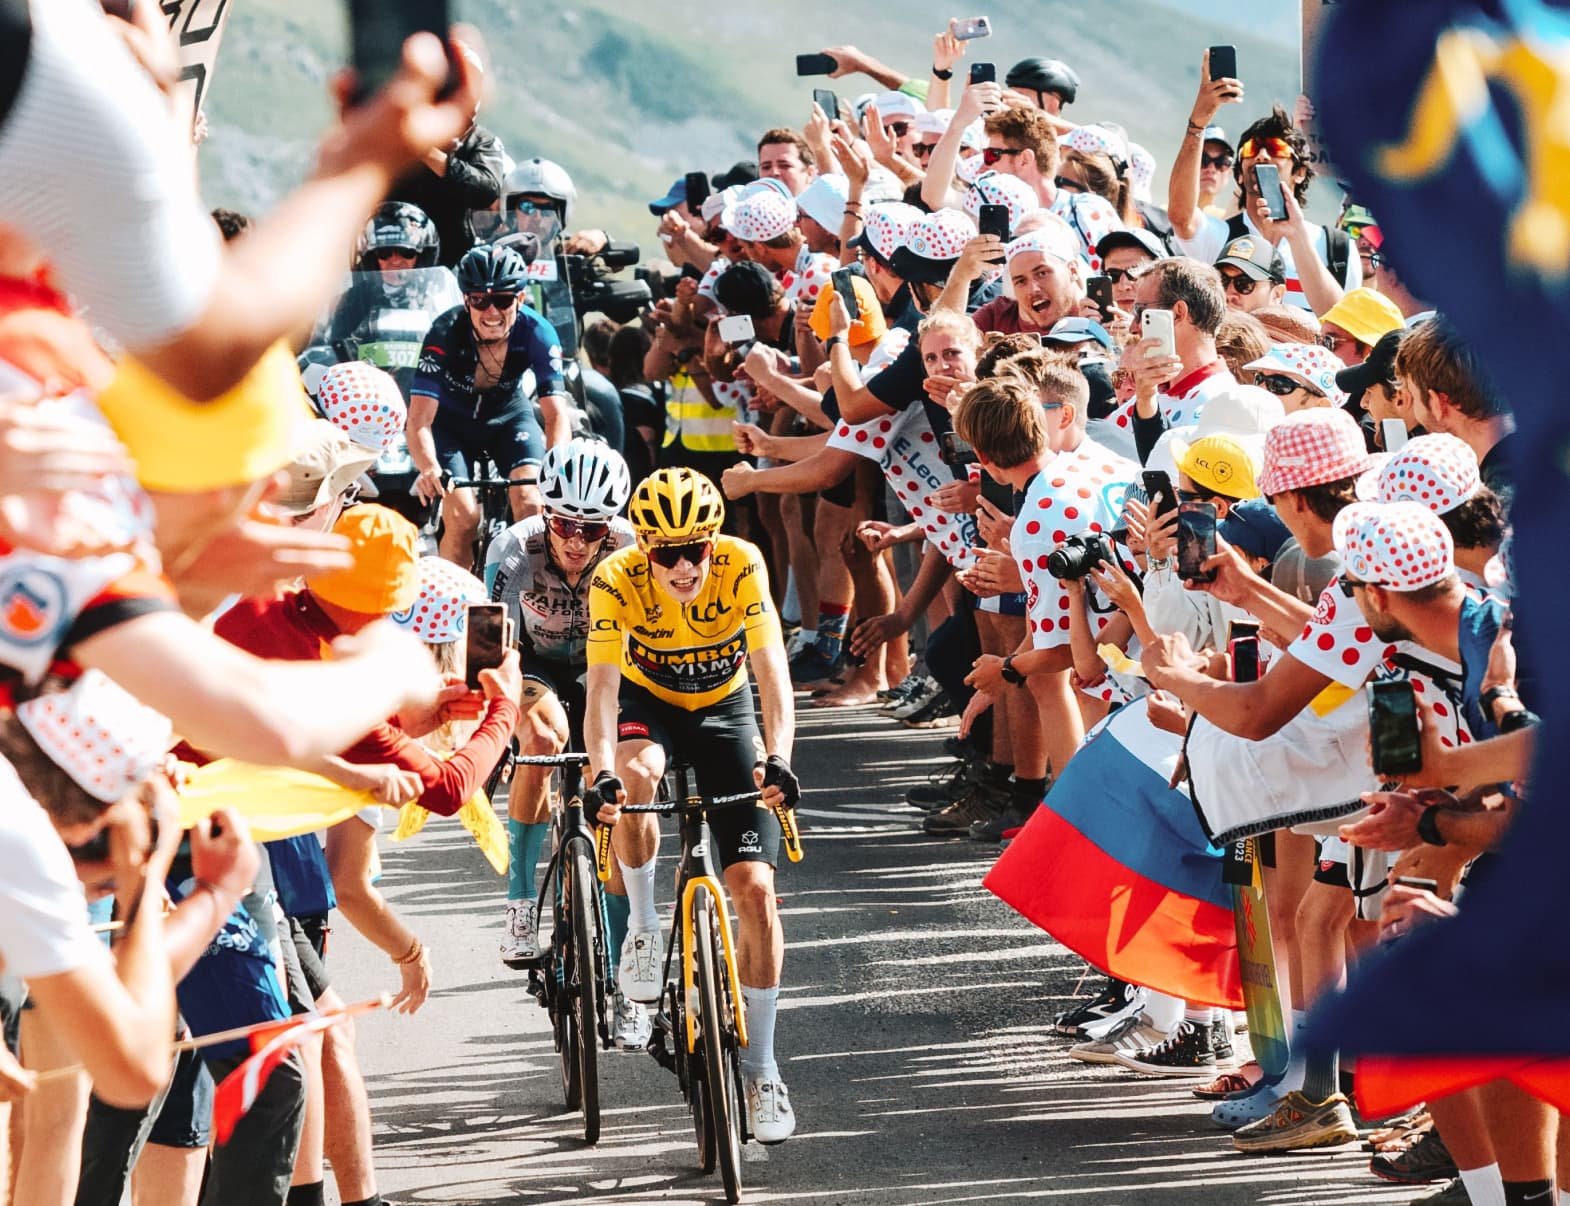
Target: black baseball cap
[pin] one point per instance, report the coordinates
(1132, 237)
(1255, 258)
(1378, 369)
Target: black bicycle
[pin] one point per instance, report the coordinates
(572, 973)
(701, 1026)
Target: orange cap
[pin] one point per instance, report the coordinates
(385, 576)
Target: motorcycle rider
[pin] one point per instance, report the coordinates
(397, 240)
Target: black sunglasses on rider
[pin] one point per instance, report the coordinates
(591, 531)
(672, 555)
(486, 301)
(403, 253)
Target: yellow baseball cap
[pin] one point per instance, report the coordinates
(186, 447)
(1220, 464)
(1365, 314)
(868, 327)
(385, 576)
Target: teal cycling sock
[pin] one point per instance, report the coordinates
(617, 911)
(525, 840)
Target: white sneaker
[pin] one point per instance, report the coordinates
(1132, 1035)
(638, 975)
(520, 947)
(799, 641)
(769, 1116)
(631, 1024)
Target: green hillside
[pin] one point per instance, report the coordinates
(629, 96)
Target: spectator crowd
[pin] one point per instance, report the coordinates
(1153, 503)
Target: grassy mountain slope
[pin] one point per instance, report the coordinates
(628, 96)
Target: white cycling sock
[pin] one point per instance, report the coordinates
(757, 1057)
(640, 895)
(1486, 1186)
(1164, 1012)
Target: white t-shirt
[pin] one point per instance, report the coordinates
(1078, 491)
(93, 171)
(1211, 237)
(43, 911)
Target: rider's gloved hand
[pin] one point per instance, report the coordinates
(607, 793)
(777, 773)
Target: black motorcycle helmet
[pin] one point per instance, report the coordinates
(398, 224)
(489, 269)
(1044, 75)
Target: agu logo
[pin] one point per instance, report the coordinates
(32, 606)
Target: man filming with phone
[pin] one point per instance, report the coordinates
(1318, 260)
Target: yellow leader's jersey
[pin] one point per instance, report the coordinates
(690, 656)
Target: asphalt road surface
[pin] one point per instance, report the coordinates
(914, 1034)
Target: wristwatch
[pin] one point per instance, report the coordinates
(828, 344)
(941, 75)
(1428, 827)
(1521, 718)
(1011, 675)
(1157, 563)
(1493, 695)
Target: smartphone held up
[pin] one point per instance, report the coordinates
(377, 31)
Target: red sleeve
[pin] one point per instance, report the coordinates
(448, 782)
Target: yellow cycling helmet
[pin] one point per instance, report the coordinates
(675, 504)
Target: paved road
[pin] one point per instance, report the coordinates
(914, 1034)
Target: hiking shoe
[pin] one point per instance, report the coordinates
(631, 1024)
(1116, 1001)
(947, 785)
(1134, 1033)
(992, 829)
(939, 710)
(811, 666)
(979, 804)
(893, 697)
(1221, 1038)
(1428, 1159)
(1186, 1052)
(520, 946)
(769, 1116)
(1297, 1124)
(918, 698)
(638, 974)
(1453, 1194)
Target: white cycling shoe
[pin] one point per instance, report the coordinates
(769, 1116)
(638, 975)
(631, 1024)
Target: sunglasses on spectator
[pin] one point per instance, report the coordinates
(1375, 259)
(589, 531)
(1068, 186)
(489, 301)
(991, 155)
(1119, 275)
(1238, 282)
(923, 150)
(1216, 161)
(1348, 585)
(1195, 495)
(1280, 385)
(897, 129)
(1276, 148)
(672, 555)
(403, 253)
(1333, 341)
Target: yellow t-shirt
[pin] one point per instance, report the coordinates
(689, 656)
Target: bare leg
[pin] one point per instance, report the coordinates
(524, 499)
(460, 521)
(803, 557)
(168, 1176)
(308, 1158)
(346, 1138)
(54, 1115)
(760, 947)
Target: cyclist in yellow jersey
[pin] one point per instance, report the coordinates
(673, 624)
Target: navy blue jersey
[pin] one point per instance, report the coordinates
(450, 354)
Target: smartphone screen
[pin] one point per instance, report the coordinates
(1241, 628)
(1245, 659)
(1159, 490)
(1223, 63)
(697, 191)
(1392, 722)
(816, 64)
(1099, 290)
(1196, 541)
(845, 290)
(1267, 179)
(825, 99)
(486, 625)
(955, 450)
(378, 30)
(983, 73)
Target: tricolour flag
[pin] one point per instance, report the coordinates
(1115, 866)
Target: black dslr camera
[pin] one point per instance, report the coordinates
(1080, 554)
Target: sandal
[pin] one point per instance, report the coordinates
(1230, 1084)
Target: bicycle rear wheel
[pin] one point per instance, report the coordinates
(585, 987)
(719, 1044)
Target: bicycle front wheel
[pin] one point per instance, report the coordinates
(586, 986)
(719, 1045)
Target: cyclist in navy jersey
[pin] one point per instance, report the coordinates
(470, 398)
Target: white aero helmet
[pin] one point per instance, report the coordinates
(586, 479)
(439, 614)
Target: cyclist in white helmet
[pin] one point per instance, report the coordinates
(541, 568)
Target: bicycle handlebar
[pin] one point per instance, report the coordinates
(671, 807)
(550, 759)
(472, 483)
(789, 833)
